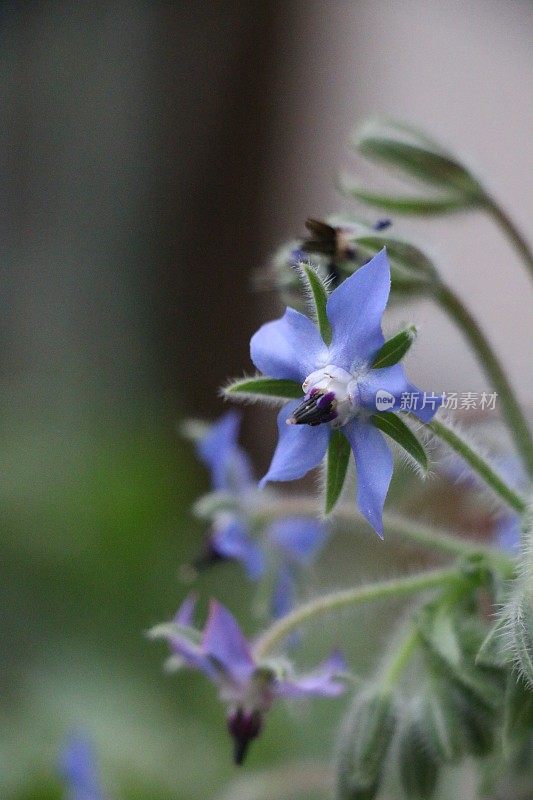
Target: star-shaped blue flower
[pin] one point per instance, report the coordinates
(78, 768)
(245, 684)
(341, 389)
(283, 546)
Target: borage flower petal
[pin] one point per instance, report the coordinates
(355, 310)
(78, 768)
(300, 448)
(324, 681)
(245, 683)
(374, 465)
(299, 537)
(288, 347)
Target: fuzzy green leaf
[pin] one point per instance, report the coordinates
(336, 467)
(264, 387)
(389, 423)
(320, 298)
(404, 204)
(394, 349)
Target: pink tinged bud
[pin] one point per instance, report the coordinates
(244, 726)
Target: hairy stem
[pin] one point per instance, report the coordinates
(511, 231)
(511, 410)
(481, 467)
(395, 526)
(399, 587)
(401, 658)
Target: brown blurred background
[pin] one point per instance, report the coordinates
(153, 155)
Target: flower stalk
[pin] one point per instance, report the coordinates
(481, 467)
(395, 526)
(399, 587)
(512, 413)
(511, 231)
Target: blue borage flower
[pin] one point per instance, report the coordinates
(341, 389)
(78, 769)
(246, 685)
(284, 546)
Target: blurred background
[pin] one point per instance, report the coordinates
(154, 154)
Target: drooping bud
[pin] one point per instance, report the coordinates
(244, 726)
(364, 743)
(419, 767)
(411, 151)
(441, 721)
(458, 721)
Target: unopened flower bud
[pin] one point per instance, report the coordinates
(364, 743)
(419, 767)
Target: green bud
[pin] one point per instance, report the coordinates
(364, 743)
(476, 723)
(453, 650)
(417, 155)
(419, 767)
(442, 721)
(517, 712)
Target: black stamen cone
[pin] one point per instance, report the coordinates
(209, 557)
(244, 726)
(314, 410)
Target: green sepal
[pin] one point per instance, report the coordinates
(336, 467)
(419, 766)
(442, 637)
(441, 721)
(389, 423)
(519, 628)
(476, 724)
(517, 712)
(364, 744)
(319, 295)
(493, 652)
(260, 387)
(395, 349)
(166, 630)
(210, 504)
(470, 724)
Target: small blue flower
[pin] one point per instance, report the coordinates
(283, 546)
(341, 389)
(78, 768)
(245, 684)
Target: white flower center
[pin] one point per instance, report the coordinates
(331, 395)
